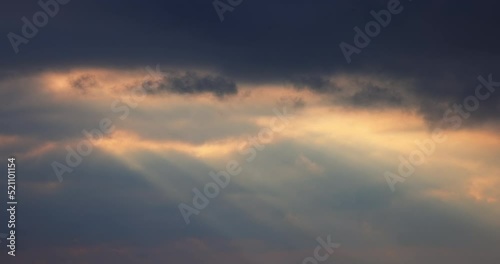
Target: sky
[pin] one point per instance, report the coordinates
(275, 131)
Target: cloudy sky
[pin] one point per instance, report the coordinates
(202, 131)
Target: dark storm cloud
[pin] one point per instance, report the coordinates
(372, 95)
(289, 36)
(429, 42)
(83, 82)
(315, 83)
(192, 83)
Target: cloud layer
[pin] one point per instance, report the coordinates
(216, 88)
